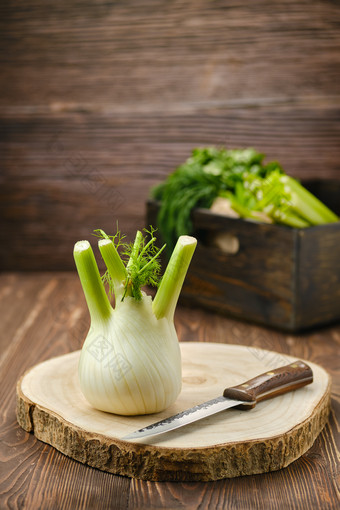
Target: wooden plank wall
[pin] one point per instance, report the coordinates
(100, 100)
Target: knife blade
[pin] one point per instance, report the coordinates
(244, 396)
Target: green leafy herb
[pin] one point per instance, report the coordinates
(141, 261)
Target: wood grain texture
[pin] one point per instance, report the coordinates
(148, 52)
(318, 276)
(51, 319)
(101, 100)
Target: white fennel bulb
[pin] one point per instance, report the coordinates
(130, 362)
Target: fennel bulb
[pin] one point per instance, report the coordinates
(130, 362)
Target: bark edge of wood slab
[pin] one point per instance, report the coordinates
(222, 446)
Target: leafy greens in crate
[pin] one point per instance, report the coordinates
(249, 188)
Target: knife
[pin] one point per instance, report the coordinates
(244, 396)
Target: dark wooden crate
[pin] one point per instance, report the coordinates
(282, 277)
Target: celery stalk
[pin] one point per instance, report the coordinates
(289, 218)
(307, 205)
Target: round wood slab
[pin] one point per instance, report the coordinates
(232, 443)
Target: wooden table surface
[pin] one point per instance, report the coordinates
(44, 315)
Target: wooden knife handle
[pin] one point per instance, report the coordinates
(271, 383)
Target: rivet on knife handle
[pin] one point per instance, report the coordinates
(270, 384)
